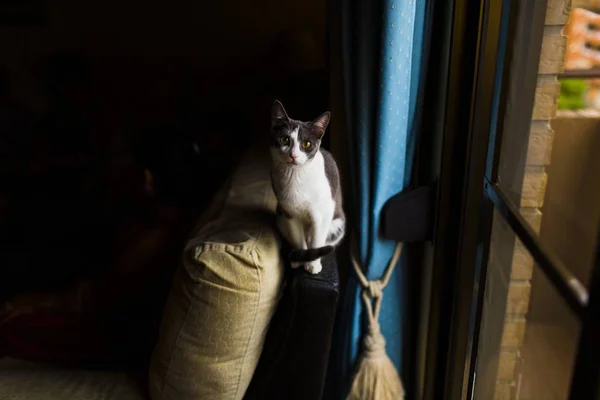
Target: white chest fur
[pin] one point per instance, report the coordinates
(305, 189)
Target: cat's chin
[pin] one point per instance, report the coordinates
(291, 164)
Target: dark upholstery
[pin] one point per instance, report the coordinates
(294, 360)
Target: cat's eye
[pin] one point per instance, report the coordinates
(306, 145)
(284, 140)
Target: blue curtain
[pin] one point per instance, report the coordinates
(381, 47)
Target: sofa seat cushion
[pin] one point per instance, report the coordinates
(23, 380)
(224, 293)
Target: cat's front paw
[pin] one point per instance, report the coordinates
(313, 267)
(296, 264)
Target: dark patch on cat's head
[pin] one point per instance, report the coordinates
(295, 142)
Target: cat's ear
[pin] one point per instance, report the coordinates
(278, 112)
(321, 123)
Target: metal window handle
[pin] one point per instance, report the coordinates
(408, 216)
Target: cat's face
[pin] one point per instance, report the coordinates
(295, 142)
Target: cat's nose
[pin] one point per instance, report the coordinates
(293, 157)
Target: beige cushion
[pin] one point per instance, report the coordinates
(224, 294)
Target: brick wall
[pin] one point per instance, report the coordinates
(586, 3)
(532, 195)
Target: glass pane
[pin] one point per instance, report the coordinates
(549, 164)
(528, 337)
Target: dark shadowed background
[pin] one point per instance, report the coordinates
(119, 121)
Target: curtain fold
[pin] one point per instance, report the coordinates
(381, 47)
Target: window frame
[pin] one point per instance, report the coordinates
(489, 41)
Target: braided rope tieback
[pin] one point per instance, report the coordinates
(376, 377)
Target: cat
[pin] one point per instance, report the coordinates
(306, 182)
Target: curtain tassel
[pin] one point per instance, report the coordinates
(376, 377)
